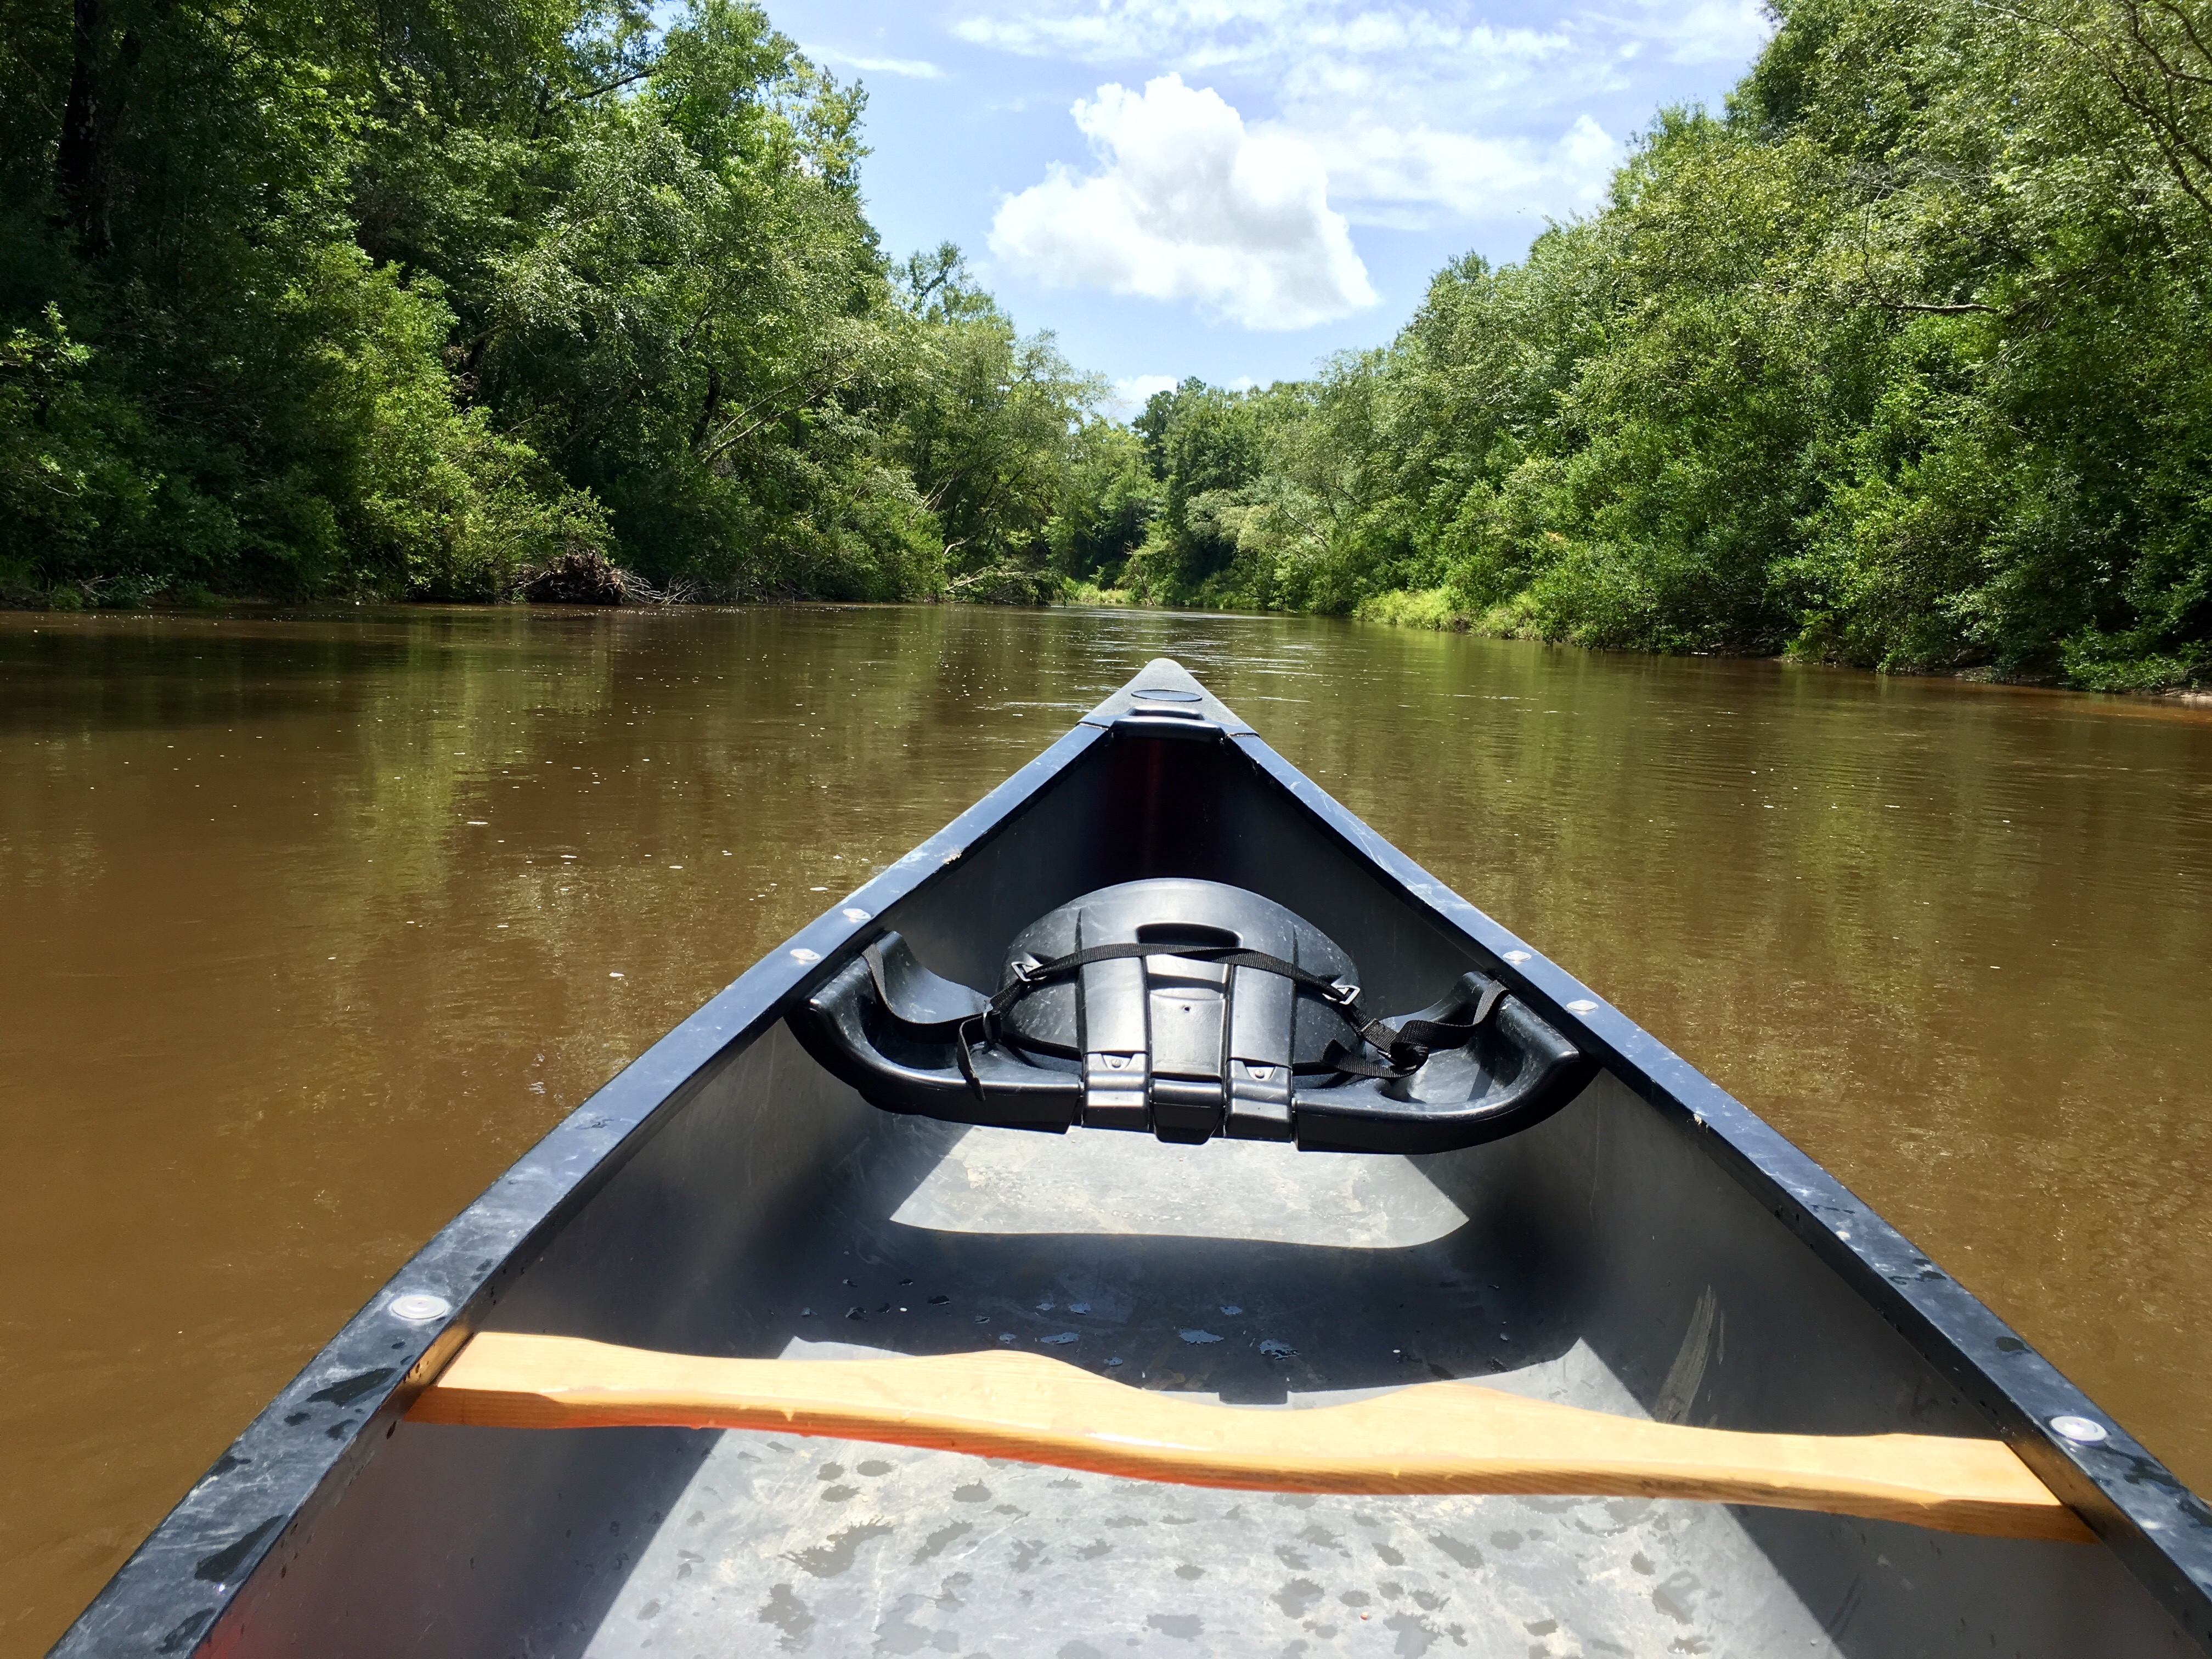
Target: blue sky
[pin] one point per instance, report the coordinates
(1236, 188)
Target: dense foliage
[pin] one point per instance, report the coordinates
(415, 297)
(1898, 361)
(1902, 361)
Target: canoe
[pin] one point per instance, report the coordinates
(843, 1320)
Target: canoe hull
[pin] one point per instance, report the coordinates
(465, 1540)
(1652, 1249)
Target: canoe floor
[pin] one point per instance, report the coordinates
(1231, 1273)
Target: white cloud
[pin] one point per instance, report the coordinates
(1706, 31)
(1188, 205)
(1419, 112)
(1132, 392)
(914, 69)
(1259, 35)
(1395, 176)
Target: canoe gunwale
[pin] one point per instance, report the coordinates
(300, 1453)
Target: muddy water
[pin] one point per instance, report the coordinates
(308, 926)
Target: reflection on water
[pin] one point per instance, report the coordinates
(313, 924)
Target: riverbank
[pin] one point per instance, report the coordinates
(595, 584)
(1436, 609)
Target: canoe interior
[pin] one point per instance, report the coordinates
(1603, 1260)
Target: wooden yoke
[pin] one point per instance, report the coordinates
(1432, 1437)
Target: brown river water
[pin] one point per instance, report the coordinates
(293, 960)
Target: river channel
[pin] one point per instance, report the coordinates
(313, 923)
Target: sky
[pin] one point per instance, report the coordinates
(1235, 189)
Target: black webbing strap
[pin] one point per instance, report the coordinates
(1405, 1048)
(960, 1041)
(1227, 956)
(1410, 1045)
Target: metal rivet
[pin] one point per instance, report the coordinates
(1516, 956)
(854, 913)
(419, 1307)
(802, 954)
(1581, 1006)
(2082, 1431)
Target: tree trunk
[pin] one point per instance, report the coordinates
(77, 167)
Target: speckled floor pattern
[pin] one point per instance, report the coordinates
(781, 1544)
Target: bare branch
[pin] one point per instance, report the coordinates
(2189, 29)
(606, 86)
(729, 438)
(2172, 72)
(2158, 128)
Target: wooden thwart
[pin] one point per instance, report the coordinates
(1432, 1437)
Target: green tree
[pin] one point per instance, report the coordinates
(1896, 363)
(406, 299)
(987, 430)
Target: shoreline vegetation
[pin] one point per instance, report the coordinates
(1897, 361)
